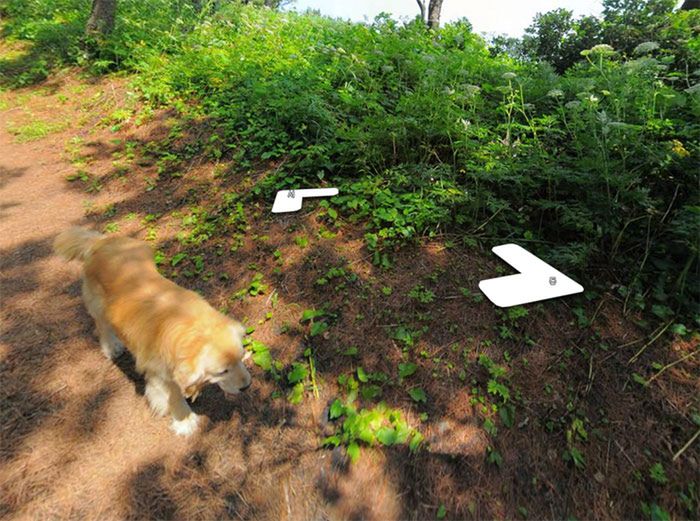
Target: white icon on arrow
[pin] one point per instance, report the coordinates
(536, 281)
(290, 200)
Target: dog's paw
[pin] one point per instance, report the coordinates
(157, 397)
(112, 349)
(186, 427)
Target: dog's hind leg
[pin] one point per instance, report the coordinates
(110, 344)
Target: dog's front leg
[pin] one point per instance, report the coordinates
(184, 420)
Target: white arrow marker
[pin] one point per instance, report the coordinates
(536, 281)
(290, 200)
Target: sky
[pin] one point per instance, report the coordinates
(492, 17)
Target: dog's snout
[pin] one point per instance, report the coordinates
(245, 387)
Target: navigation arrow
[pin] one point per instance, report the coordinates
(536, 281)
(291, 200)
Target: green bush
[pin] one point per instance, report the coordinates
(426, 131)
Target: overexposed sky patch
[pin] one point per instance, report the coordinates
(505, 16)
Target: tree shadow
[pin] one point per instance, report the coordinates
(7, 175)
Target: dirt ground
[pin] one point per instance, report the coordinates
(78, 440)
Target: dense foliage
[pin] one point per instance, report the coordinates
(424, 132)
(558, 38)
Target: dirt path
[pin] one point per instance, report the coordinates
(78, 440)
(85, 431)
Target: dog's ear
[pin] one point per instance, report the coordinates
(238, 330)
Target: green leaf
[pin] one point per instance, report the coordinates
(407, 369)
(296, 395)
(386, 436)
(336, 410)
(298, 373)
(573, 454)
(353, 451)
(499, 389)
(659, 514)
(415, 441)
(658, 474)
(441, 512)
(177, 258)
(639, 379)
(263, 359)
(490, 427)
(310, 314)
(507, 414)
(370, 392)
(350, 351)
(679, 329)
(495, 457)
(361, 375)
(418, 395)
(318, 327)
(331, 440)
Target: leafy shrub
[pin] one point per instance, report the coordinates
(426, 131)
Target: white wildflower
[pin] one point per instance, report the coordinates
(602, 48)
(645, 48)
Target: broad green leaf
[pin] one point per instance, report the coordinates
(177, 259)
(336, 409)
(298, 373)
(415, 441)
(263, 359)
(318, 327)
(361, 375)
(309, 314)
(386, 436)
(331, 440)
(353, 451)
(296, 395)
(407, 369)
(507, 414)
(418, 395)
(370, 392)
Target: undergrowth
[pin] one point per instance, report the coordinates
(426, 132)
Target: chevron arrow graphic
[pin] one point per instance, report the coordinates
(536, 281)
(291, 200)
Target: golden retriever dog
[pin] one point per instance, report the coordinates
(179, 342)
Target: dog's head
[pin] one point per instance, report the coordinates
(216, 356)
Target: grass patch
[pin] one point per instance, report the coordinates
(35, 130)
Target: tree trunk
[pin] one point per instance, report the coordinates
(690, 4)
(101, 21)
(434, 14)
(421, 5)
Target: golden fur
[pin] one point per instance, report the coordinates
(179, 342)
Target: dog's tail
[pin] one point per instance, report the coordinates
(76, 243)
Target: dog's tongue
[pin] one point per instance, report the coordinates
(229, 396)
